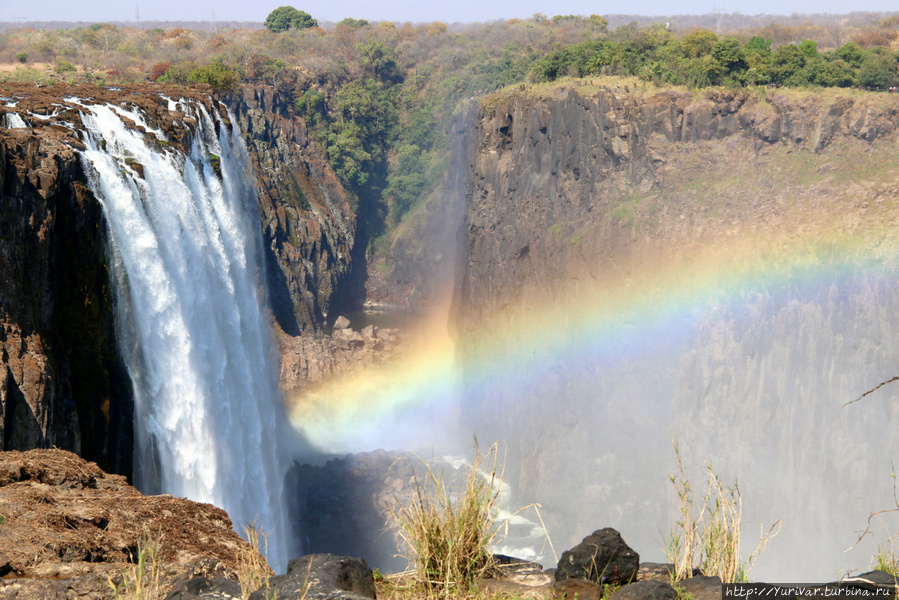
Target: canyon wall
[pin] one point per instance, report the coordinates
(61, 379)
(711, 268)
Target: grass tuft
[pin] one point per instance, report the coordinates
(253, 571)
(446, 536)
(143, 579)
(713, 533)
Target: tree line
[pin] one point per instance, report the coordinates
(701, 59)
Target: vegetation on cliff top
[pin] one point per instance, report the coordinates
(378, 96)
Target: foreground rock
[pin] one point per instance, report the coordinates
(603, 557)
(69, 529)
(322, 577)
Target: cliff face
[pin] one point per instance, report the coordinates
(308, 224)
(648, 267)
(579, 182)
(61, 381)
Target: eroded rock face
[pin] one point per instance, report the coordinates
(68, 528)
(308, 360)
(61, 383)
(308, 224)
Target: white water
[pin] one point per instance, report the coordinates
(12, 120)
(186, 265)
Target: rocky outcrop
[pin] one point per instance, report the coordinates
(322, 577)
(308, 224)
(61, 383)
(69, 529)
(307, 360)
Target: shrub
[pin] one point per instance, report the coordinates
(446, 535)
(158, 70)
(22, 57)
(64, 66)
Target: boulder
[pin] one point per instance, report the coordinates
(341, 323)
(517, 578)
(202, 588)
(701, 587)
(320, 577)
(576, 589)
(603, 557)
(650, 589)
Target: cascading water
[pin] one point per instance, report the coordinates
(186, 264)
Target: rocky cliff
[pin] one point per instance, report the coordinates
(308, 225)
(61, 381)
(715, 267)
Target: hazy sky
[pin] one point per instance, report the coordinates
(403, 10)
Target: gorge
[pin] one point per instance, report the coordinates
(630, 268)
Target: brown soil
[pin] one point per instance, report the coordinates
(67, 524)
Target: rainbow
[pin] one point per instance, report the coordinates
(412, 401)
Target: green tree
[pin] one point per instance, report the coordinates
(728, 53)
(698, 43)
(787, 64)
(287, 17)
(878, 71)
(216, 74)
(354, 23)
(852, 53)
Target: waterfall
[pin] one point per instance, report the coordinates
(186, 265)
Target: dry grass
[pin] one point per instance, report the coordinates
(446, 535)
(713, 533)
(142, 580)
(253, 571)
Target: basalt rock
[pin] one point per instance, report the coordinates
(603, 557)
(323, 577)
(645, 590)
(308, 224)
(61, 383)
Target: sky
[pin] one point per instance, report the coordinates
(404, 10)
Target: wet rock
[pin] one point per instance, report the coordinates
(320, 576)
(701, 587)
(645, 590)
(202, 588)
(603, 557)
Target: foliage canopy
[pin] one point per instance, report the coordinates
(287, 17)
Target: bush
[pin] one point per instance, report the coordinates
(446, 535)
(22, 57)
(158, 70)
(217, 75)
(64, 66)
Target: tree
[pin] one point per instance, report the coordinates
(287, 17)
(878, 71)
